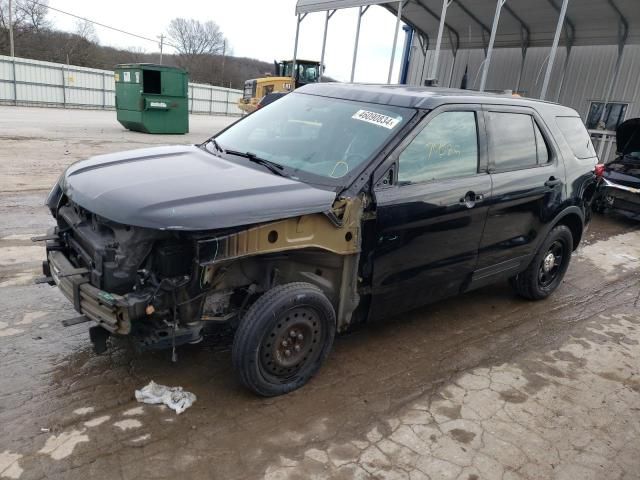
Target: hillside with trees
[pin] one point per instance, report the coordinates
(200, 47)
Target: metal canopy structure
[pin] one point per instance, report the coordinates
(590, 22)
(489, 24)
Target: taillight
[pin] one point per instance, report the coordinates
(599, 170)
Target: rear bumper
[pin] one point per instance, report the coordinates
(113, 312)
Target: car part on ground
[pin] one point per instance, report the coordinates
(175, 398)
(336, 205)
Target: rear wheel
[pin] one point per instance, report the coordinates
(547, 269)
(284, 338)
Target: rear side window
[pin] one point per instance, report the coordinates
(513, 141)
(576, 135)
(543, 150)
(446, 148)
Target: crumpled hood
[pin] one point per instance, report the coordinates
(186, 188)
(628, 136)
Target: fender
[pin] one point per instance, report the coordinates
(570, 210)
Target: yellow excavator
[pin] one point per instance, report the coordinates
(285, 80)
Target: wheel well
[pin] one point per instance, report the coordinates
(574, 223)
(589, 193)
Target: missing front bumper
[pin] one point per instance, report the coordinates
(112, 312)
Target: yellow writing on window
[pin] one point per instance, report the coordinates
(443, 150)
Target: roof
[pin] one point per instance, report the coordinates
(307, 6)
(588, 22)
(417, 97)
(149, 65)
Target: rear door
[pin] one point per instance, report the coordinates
(528, 187)
(430, 219)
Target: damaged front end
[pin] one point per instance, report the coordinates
(117, 275)
(161, 286)
(619, 180)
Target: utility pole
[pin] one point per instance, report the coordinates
(161, 45)
(224, 51)
(13, 53)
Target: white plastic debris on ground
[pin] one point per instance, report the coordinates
(173, 397)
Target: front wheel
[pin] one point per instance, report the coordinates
(546, 271)
(284, 338)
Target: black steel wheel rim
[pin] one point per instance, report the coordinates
(551, 264)
(294, 341)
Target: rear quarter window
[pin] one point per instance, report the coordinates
(576, 135)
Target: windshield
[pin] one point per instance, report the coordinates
(306, 134)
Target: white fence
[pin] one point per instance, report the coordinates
(47, 84)
(604, 141)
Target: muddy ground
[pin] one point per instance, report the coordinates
(481, 386)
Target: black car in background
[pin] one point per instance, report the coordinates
(619, 180)
(336, 205)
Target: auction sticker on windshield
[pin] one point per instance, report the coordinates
(376, 118)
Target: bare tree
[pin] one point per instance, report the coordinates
(17, 16)
(86, 31)
(191, 37)
(33, 14)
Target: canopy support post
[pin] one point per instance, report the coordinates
(395, 40)
(436, 55)
(564, 71)
(361, 12)
(324, 42)
(554, 49)
(294, 66)
(454, 52)
(524, 46)
(424, 45)
(623, 32)
(492, 39)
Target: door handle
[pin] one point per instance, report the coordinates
(471, 198)
(552, 182)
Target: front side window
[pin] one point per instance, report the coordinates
(513, 140)
(315, 138)
(447, 147)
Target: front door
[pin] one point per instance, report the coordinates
(430, 219)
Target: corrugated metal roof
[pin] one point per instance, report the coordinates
(595, 22)
(308, 6)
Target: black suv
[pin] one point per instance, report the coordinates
(334, 205)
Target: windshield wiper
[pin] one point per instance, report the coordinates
(215, 144)
(272, 166)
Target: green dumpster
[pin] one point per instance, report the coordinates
(152, 98)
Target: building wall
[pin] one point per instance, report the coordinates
(588, 73)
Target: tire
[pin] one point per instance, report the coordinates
(283, 339)
(540, 280)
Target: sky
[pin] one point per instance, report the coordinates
(262, 29)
